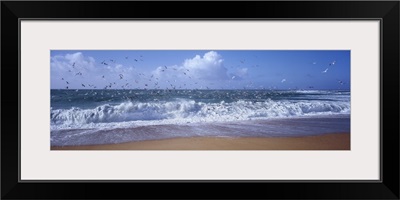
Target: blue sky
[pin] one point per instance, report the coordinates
(205, 69)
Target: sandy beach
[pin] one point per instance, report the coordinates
(336, 141)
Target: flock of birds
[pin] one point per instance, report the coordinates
(326, 70)
(145, 79)
(152, 79)
(330, 64)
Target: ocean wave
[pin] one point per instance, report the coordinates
(319, 92)
(187, 111)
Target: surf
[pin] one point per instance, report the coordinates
(191, 111)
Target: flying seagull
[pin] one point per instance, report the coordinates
(341, 82)
(326, 70)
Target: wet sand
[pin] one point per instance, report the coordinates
(335, 141)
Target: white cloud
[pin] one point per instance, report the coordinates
(72, 62)
(208, 67)
(78, 69)
(199, 71)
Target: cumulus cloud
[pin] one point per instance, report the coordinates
(71, 62)
(78, 69)
(207, 67)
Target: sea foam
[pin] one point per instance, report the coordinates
(181, 111)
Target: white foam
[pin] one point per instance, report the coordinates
(189, 111)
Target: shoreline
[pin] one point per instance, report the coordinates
(331, 141)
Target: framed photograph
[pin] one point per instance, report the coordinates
(289, 96)
(199, 99)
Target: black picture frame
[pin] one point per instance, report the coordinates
(386, 11)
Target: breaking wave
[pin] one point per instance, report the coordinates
(189, 111)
